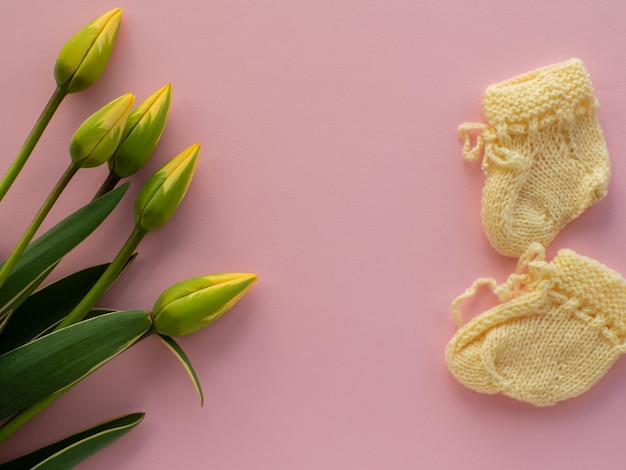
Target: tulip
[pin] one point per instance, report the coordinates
(85, 55)
(92, 144)
(97, 138)
(156, 202)
(190, 305)
(79, 64)
(161, 195)
(142, 133)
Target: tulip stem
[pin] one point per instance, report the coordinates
(106, 280)
(108, 184)
(28, 235)
(31, 140)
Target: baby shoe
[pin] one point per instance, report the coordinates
(558, 330)
(545, 157)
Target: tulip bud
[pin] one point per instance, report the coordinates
(85, 55)
(142, 133)
(96, 139)
(190, 305)
(161, 195)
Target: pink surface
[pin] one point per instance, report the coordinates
(332, 168)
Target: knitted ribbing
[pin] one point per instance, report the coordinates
(560, 328)
(545, 157)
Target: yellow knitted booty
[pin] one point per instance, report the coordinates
(545, 157)
(560, 328)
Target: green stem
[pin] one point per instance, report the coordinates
(106, 280)
(108, 184)
(31, 140)
(14, 257)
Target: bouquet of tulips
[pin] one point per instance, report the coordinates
(53, 335)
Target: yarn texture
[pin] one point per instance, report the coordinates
(544, 155)
(559, 329)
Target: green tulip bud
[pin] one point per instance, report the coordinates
(190, 305)
(96, 139)
(142, 133)
(85, 55)
(161, 195)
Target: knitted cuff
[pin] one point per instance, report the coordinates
(600, 291)
(541, 97)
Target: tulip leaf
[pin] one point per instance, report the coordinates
(45, 308)
(175, 348)
(72, 450)
(45, 252)
(21, 298)
(3, 322)
(57, 361)
(96, 312)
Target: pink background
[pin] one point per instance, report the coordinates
(331, 167)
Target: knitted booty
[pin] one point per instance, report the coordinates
(560, 328)
(544, 155)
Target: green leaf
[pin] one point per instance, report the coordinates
(47, 307)
(21, 298)
(62, 358)
(45, 252)
(72, 450)
(96, 312)
(184, 360)
(3, 322)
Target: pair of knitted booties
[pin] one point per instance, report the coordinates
(561, 325)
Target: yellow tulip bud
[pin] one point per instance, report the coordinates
(161, 195)
(142, 133)
(190, 305)
(96, 139)
(85, 55)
